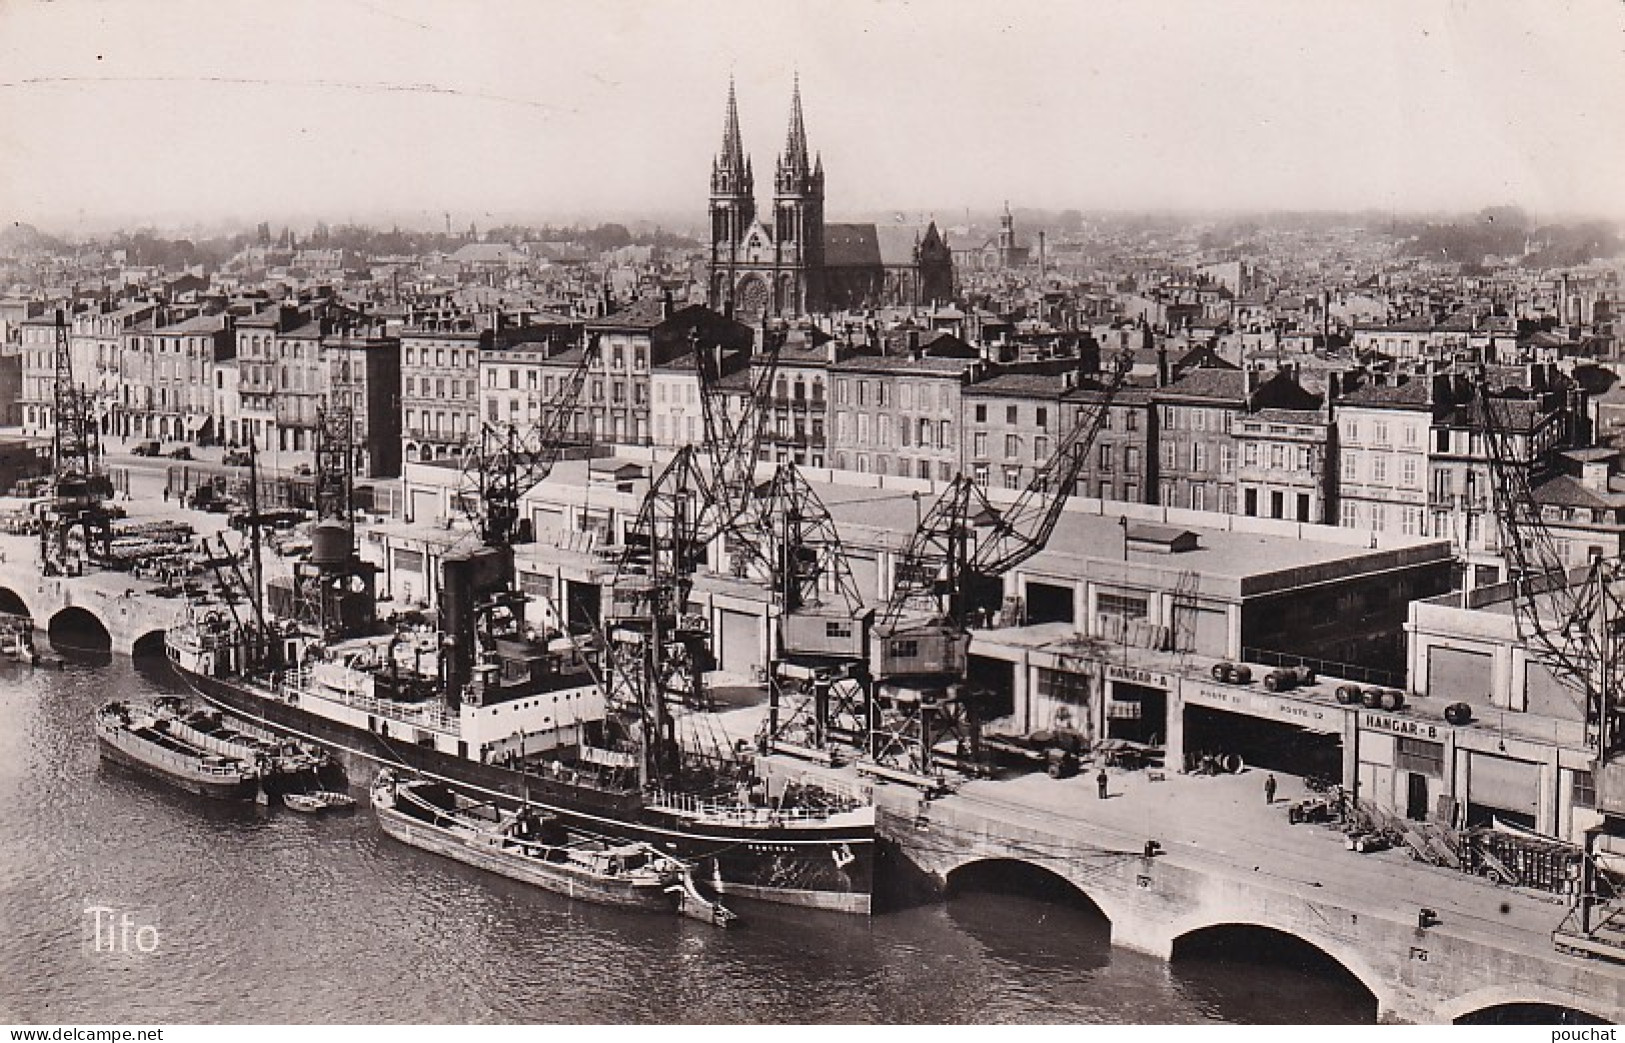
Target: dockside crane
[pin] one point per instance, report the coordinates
(818, 678)
(1573, 620)
(949, 574)
(659, 652)
(78, 529)
(488, 649)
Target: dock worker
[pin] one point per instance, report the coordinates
(1100, 783)
(1269, 789)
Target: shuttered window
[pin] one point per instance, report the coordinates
(1420, 756)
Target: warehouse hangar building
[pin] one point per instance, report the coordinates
(1524, 758)
(1113, 630)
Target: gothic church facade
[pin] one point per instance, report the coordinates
(793, 263)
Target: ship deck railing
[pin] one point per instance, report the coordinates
(299, 684)
(711, 810)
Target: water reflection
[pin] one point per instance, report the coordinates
(269, 916)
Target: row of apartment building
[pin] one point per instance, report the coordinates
(1407, 455)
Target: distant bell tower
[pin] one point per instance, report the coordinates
(798, 219)
(733, 204)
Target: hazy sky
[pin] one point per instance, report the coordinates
(167, 110)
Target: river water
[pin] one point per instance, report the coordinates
(262, 915)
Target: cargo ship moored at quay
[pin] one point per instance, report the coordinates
(814, 849)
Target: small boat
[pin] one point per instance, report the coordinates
(332, 800)
(318, 801)
(537, 849)
(141, 737)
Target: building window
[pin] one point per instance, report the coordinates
(1131, 421)
(1249, 454)
(1198, 497)
(979, 474)
(1131, 458)
(1350, 515)
(1583, 790)
(1105, 458)
(1012, 414)
(1351, 467)
(1012, 446)
(1041, 416)
(1379, 468)
(979, 443)
(1121, 606)
(1408, 473)
(1227, 457)
(981, 414)
(1063, 687)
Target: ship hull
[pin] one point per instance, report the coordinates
(828, 867)
(468, 850)
(132, 758)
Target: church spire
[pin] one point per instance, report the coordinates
(795, 140)
(731, 174)
(733, 151)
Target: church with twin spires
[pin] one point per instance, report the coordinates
(791, 262)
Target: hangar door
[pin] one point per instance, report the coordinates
(1500, 787)
(1457, 674)
(1202, 630)
(740, 652)
(866, 577)
(425, 505)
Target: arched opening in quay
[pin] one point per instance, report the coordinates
(1066, 927)
(79, 630)
(1217, 966)
(1530, 1014)
(11, 603)
(148, 645)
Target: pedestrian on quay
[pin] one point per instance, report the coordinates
(1100, 783)
(1269, 789)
